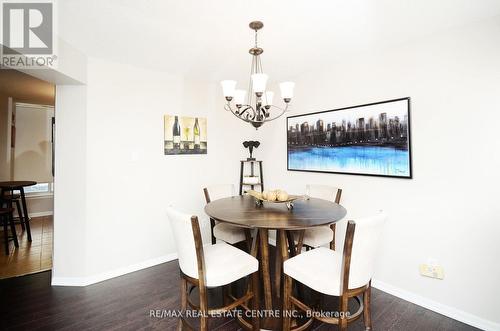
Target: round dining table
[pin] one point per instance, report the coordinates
(244, 212)
(19, 185)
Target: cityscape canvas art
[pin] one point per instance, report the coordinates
(371, 139)
(185, 135)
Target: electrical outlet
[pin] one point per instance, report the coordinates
(432, 271)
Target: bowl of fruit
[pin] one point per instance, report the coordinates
(274, 196)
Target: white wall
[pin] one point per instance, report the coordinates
(40, 205)
(126, 182)
(450, 210)
(70, 185)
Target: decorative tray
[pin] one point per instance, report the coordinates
(259, 199)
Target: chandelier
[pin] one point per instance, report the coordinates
(255, 106)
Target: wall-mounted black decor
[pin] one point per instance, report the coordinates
(371, 139)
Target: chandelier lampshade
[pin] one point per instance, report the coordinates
(239, 97)
(259, 82)
(228, 87)
(267, 100)
(255, 106)
(287, 90)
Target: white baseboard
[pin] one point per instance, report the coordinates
(40, 214)
(85, 281)
(437, 307)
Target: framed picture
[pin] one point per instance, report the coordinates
(185, 135)
(371, 139)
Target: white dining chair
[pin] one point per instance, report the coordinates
(223, 231)
(321, 235)
(210, 266)
(344, 274)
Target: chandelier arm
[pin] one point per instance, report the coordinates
(247, 107)
(228, 107)
(282, 111)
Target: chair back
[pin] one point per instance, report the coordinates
(185, 235)
(363, 237)
(219, 191)
(324, 192)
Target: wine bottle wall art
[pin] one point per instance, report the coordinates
(185, 135)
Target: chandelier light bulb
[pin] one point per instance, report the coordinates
(239, 97)
(259, 82)
(287, 90)
(228, 87)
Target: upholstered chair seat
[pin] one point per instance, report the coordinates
(321, 235)
(228, 233)
(223, 231)
(225, 264)
(205, 266)
(345, 274)
(318, 236)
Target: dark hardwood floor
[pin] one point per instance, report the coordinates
(124, 303)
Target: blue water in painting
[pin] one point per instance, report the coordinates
(375, 160)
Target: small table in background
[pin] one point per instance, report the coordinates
(19, 185)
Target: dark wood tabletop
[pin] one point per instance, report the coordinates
(242, 211)
(15, 184)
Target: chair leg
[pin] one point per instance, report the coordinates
(5, 234)
(204, 323)
(183, 301)
(367, 312)
(20, 214)
(300, 242)
(226, 291)
(248, 240)
(13, 230)
(256, 300)
(264, 267)
(184, 294)
(278, 263)
(203, 308)
(287, 292)
(212, 224)
(344, 307)
(332, 243)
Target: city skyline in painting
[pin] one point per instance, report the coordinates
(370, 139)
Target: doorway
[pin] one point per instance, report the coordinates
(27, 154)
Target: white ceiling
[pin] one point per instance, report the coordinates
(210, 39)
